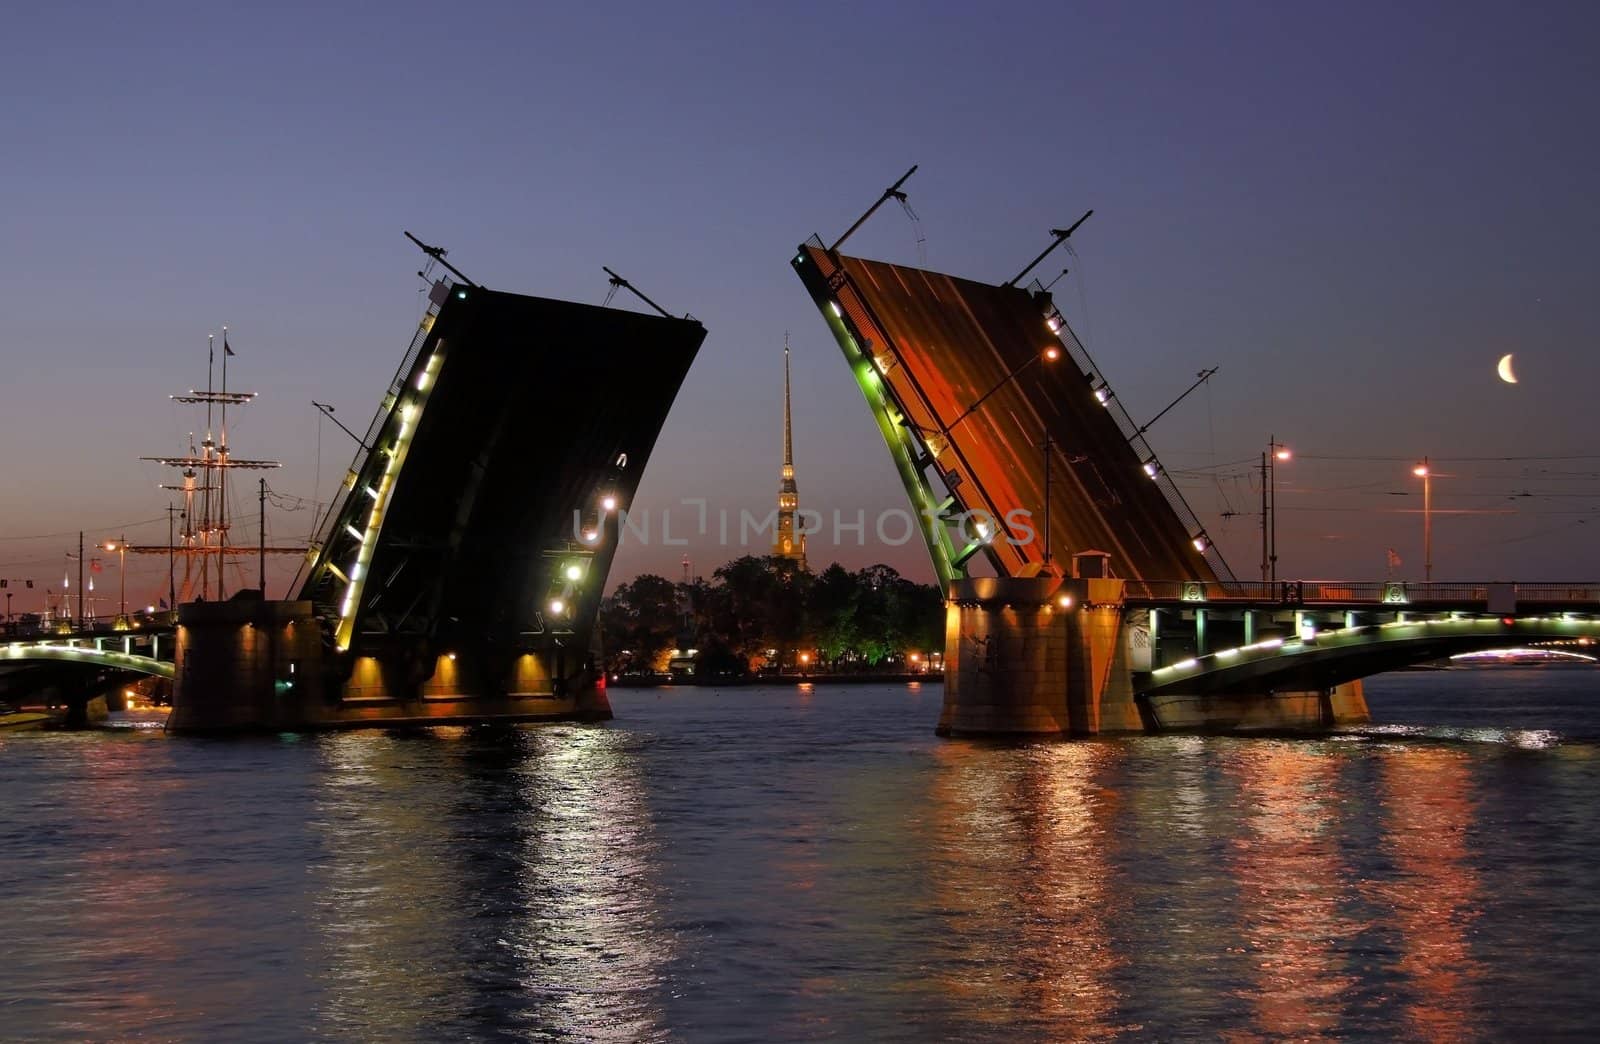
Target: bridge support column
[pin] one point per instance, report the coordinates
(1249, 626)
(245, 664)
(1040, 656)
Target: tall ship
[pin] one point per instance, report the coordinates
(200, 535)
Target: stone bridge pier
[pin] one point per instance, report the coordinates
(1037, 656)
(1055, 656)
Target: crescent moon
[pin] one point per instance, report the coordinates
(1507, 374)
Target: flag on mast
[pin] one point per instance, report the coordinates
(225, 349)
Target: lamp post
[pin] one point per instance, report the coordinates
(1049, 444)
(1423, 472)
(1049, 354)
(1274, 452)
(121, 548)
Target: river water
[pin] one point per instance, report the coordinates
(779, 863)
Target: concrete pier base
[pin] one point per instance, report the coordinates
(1029, 657)
(1262, 712)
(250, 665)
(1051, 656)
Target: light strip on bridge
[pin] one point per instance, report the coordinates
(409, 411)
(884, 403)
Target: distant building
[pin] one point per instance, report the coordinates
(786, 542)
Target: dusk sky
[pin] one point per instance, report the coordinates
(1351, 210)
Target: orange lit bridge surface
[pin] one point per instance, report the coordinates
(975, 387)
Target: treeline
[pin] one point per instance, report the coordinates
(760, 613)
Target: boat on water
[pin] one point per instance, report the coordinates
(13, 719)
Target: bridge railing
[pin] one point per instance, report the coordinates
(1131, 432)
(359, 461)
(1360, 592)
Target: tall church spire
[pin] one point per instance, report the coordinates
(786, 542)
(788, 432)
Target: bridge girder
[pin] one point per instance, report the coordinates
(88, 657)
(1334, 657)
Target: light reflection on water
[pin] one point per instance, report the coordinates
(1292, 882)
(1020, 874)
(519, 896)
(766, 863)
(1427, 800)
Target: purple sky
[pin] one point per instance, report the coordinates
(1353, 211)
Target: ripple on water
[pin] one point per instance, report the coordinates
(778, 863)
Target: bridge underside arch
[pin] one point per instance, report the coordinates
(26, 654)
(1333, 658)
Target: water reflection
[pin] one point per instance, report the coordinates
(142, 897)
(1021, 875)
(488, 881)
(1292, 883)
(759, 864)
(1433, 897)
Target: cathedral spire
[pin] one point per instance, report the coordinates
(788, 437)
(787, 541)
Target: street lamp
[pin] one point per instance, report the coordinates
(1426, 475)
(121, 548)
(1274, 452)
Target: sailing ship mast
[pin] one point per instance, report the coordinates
(204, 544)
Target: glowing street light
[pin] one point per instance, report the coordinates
(121, 548)
(1423, 472)
(1270, 457)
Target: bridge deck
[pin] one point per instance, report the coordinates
(940, 345)
(1489, 597)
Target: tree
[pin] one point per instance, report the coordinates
(640, 621)
(754, 604)
(875, 594)
(833, 613)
